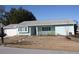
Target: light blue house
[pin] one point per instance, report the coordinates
(54, 27)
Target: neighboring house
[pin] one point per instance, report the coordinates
(54, 27)
(78, 29)
(11, 30)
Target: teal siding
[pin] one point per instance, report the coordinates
(23, 32)
(39, 30)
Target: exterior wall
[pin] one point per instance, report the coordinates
(64, 30)
(55, 30)
(11, 32)
(23, 33)
(37, 30)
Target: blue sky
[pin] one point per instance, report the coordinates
(46, 12)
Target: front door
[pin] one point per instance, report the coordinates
(33, 30)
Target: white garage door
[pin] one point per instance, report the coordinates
(11, 32)
(64, 30)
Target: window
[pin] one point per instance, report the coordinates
(46, 28)
(25, 28)
(22, 29)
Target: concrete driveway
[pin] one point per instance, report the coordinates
(8, 50)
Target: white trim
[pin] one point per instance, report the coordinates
(30, 31)
(36, 30)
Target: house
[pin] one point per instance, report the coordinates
(77, 29)
(11, 30)
(53, 27)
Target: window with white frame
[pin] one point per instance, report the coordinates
(46, 28)
(22, 29)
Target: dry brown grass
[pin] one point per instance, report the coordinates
(43, 42)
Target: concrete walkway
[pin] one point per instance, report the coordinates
(8, 50)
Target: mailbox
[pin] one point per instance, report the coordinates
(2, 34)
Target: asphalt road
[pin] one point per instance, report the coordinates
(8, 50)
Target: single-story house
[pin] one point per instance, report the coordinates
(11, 30)
(53, 27)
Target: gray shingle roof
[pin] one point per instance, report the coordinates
(11, 26)
(39, 23)
(47, 22)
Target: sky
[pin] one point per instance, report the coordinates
(51, 12)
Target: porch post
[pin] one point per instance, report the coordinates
(30, 31)
(37, 30)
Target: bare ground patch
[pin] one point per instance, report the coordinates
(43, 42)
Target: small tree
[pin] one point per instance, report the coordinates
(15, 16)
